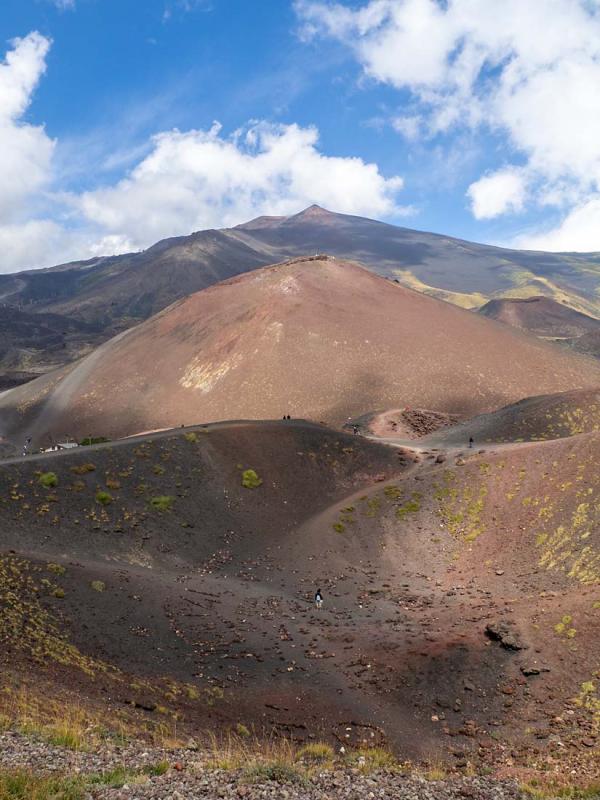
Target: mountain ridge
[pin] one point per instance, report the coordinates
(318, 337)
(112, 293)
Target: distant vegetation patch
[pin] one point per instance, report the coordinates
(316, 754)
(104, 498)
(24, 785)
(93, 440)
(98, 586)
(410, 506)
(250, 479)
(27, 626)
(49, 479)
(461, 505)
(162, 502)
(276, 771)
(82, 469)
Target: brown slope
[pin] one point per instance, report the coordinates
(519, 529)
(554, 416)
(107, 295)
(215, 594)
(185, 593)
(322, 339)
(541, 316)
(116, 292)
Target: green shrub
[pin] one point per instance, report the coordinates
(242, 730)
(93, 440)
(157, 769)
(250, 479)
(57, 569)
(276, 771)
(98, 586)
(339, 527)
(393, 492)
(316, 753)
(104, 498)
(81, 469)
(22, 784)
(59, 593)
(49, 479)
(192, 436)
(162, 503)
(371, 759)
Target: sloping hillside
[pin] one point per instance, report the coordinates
(317, 338)
(541, 316)
(160, 580)
(539, 418)
(116, 292)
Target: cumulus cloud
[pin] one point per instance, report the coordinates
(527, 71)
(182, 181)
(199, 179)
(25, 150)
(579, 230)
(498, 193)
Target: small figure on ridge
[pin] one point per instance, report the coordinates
(319, 599)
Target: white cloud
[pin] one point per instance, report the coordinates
(25, 150)
(498, 193)
(37, 243)
(408, 126)
(201, 179)
(526, 71)
(181, 181)
(579, 230)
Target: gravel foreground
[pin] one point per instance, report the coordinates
(188, 777)
(327, 786)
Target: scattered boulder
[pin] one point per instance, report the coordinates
(502, 632)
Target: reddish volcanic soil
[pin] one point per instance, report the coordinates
(402, 423)
(319, 338)
(462, 591)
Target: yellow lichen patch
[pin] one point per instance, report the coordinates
(567, 549)
(461, 506)
(589, 698)
(464, 300)
(27, 626)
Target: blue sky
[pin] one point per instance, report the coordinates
(442, 117)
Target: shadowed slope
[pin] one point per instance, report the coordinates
(588, 344)
(318, 338)
(204, 608)
(541, 316)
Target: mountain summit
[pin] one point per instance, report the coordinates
(111, 294)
